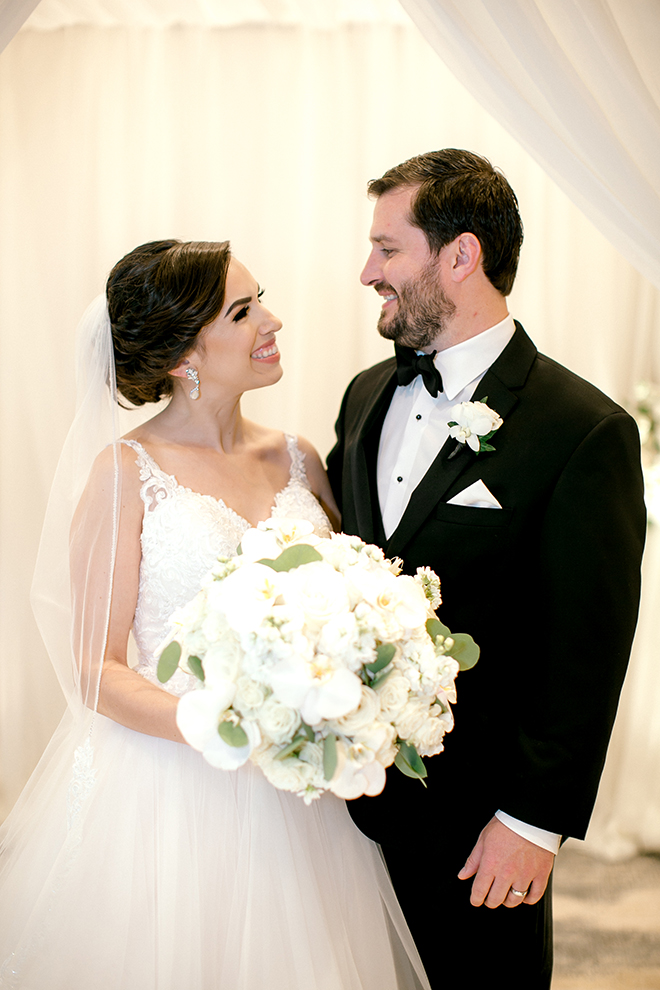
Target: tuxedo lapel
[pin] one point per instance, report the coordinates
(508, 372)
(364, 453)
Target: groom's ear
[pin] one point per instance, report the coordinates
(465, 256)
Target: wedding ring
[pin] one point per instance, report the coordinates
(518, 893)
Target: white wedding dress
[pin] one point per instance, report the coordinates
(143, 868)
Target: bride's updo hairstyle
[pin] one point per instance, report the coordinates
(160, 296)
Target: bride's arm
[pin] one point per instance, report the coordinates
(123, 695)
(320, 485)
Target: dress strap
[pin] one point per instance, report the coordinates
(297, 470)
(156, 484)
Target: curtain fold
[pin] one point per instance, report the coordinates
(13, 14)
(577, 83)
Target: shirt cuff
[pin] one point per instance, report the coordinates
(539, 836)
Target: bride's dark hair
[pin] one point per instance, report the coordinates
(160, 296)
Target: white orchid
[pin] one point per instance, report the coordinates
(474, 423)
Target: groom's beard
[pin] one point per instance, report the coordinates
(421, 313)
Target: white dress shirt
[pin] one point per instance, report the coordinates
(414, 430)
(415, 426)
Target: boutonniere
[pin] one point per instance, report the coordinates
(474, 423)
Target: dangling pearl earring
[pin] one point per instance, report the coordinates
(191, 373)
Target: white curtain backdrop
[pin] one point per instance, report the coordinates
(577, 82)
(263, 128)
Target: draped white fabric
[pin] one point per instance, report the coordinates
(13, 13)
(264, 132)
(577, 82)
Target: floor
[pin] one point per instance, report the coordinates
(607, 923)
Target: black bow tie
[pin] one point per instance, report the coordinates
(409, 364)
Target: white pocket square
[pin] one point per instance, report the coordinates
(476, 496)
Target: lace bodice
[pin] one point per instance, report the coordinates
(183, 532)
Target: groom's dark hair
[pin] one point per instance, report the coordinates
(460, 192)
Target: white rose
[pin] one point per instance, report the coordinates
(249, 696)
(278, 721)
(412, 715)
(290, 774)
(393, 694)
(364, 715)
(428, 737)
(312, 753)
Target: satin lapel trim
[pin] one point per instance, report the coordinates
(365, 493)
(446, 468)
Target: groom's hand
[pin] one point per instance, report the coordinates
(502, 860)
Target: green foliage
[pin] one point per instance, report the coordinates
(410, 762)
(384, 655)
(168, 662)
(294, 746)
(436, 628)
(232, 734)
(195, 665)
(295, 556)
(465, 650)
(381, 678)
(329, 756)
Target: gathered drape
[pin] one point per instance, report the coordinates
(577, 82)
(266, 133)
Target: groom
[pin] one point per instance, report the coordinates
(537, 543)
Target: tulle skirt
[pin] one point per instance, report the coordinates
(137, 866)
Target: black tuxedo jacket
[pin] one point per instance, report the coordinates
(548, 586)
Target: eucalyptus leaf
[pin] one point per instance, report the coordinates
(410, 762)
(465, 650)
(308, 730)
(381, 678)
(297, 743)
(329, 756)
(384, 655)
(232, 734)
(294, 556)
(195, 665)
(168, 662)
(436, 628)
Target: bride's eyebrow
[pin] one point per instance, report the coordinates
(238, 302)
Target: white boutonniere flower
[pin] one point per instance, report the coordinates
(474, 423)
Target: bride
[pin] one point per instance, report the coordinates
(129, 863)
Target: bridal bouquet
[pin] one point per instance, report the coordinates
(318, 660)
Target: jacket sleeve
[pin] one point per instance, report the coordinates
(583, 617)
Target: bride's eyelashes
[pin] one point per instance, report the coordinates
(243, 312)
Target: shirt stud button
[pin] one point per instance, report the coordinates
(418, 416)
(399, 478)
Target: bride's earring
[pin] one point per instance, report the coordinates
(191, 373)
